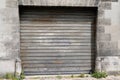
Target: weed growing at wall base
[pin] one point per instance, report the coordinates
(13, 77)
(10, 76)
(99, 75)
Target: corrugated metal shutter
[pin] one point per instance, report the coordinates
(57, 40)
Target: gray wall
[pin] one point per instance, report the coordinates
(108, 37)
(108, 30)
(9, 35)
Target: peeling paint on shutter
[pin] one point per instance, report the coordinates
(57, 40)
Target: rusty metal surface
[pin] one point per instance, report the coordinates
(57, 40)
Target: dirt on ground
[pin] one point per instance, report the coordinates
(87, 78)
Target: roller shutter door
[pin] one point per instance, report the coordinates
(57, 40)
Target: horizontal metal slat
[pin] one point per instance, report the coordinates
(57, 24)
(57, 28)
(87, 13)
(57, 61)
(65, 46)
(55, 44)
(52, 18)
(56, 65)
(64, 43)
(54, 35)
(37, 15)
(58, 69)
(45, 52)
(55, 38)
(54, 55)
(58, 18)
(57, 41)
(55, 19)
(57, 51)
(42, 25)
(56, 72)
(84, 30)
(63, 61)
(56, 58)
(38, 22)
(55, 32)
(58, 36)
(55, 14)
(58, 48)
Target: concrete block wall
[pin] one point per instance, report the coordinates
(108, 27)
(108, 30)
(58, 2)
(9, 35)
(108, 23)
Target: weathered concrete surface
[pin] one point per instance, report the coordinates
(9, 35)
(59, 2)
(108, 37)
(7, 66)
(108, 30)
(111, 64)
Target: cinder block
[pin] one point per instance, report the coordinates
(108, 45)
(9, 16)
(103, 37)
(105, 5)
(100, 13)
(100, 29)
(104, 21)
(111, 64)
(7, 66)
(108, 52)
(12, 3)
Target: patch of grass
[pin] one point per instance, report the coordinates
(22, 75)
(10, 76)
(99, 75)
(13, 77)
